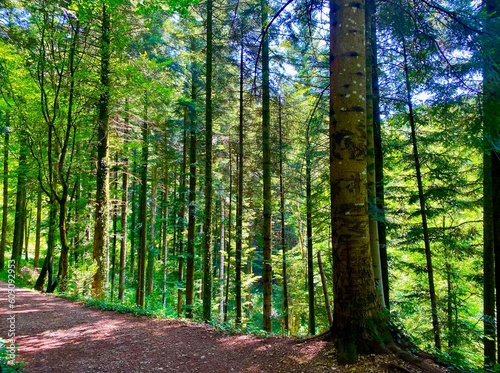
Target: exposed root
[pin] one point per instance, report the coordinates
(321, 336)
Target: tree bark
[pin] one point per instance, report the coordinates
(371, 170)
(192, 199)
(152, 232)
(5, 195)
(181, 218)
(101, 238)
(207, 241)
(123, 240)
(491, 185)
(239, 199)
(267, 275)
(282, 216)
(38, 228)
(310, 255)
(143, 213)
(222, 258)
(20, 214)
(325, 289)
(357, 324)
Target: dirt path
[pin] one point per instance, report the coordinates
(59, 336)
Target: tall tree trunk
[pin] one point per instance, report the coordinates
(63, 271)
(5, 196)
(20, 214)
(423, 209)
(38, 227)
(379, 157)
(488, 265)
(357, 322)
(491, 168)
(48, 263)
(192, 200)
(282, 216)
(152, 232)
(267, 275)
(123, 240)
(371, 171)
(114, 223)
(133, 215)
(207, 242)
(101, 238)
(143, 214)
(310, 255)
(222, 258)
(182, 218)
(164, 228)
(325, 289)
(239, 200)
(229, 242)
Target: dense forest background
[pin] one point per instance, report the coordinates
(175, 156)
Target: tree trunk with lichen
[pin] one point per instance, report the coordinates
(358, 326)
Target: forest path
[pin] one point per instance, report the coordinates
(60, 336)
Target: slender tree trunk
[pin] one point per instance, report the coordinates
(423, 209)
(310, 255)
(491, 185)
(5, 198)
(114, 222)
(371, 170)
(495, 170)
(133, 217)
(192, 201)
(357, 326)
(379, 157)
(222, 258)
(491, 88)
(48, 264)
(239, 200)
(38, 227)
(152, 232)
(164, 230)
(207, 242)
(325, 289)
(101, 238)
(27, 227)
(229, 242)
(123, 241)
(63, 271)
(181, 218)
(282, 216)
(20, 214)
(267, 275)
(143, 214)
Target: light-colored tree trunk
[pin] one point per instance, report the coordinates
(222, 257)
(357, 325)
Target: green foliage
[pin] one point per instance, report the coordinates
(5, 359)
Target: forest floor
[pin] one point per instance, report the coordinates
(60, 336)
